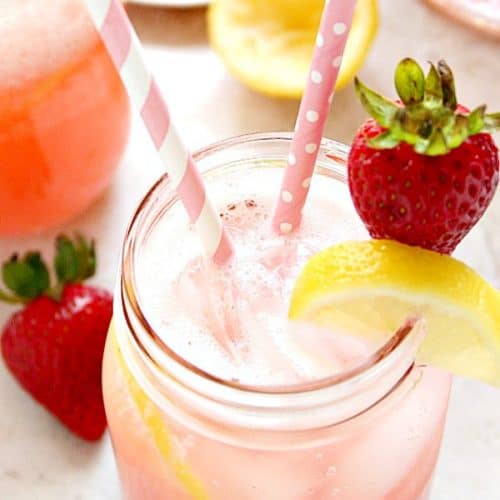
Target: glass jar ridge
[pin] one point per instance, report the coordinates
(300, 407)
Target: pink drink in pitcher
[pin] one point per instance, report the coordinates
(64, 114)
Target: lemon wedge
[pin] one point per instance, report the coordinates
(158, 429)
(268, 44)
(371, 288)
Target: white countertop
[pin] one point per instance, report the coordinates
(39, 459)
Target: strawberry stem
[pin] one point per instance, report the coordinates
(428, 120)
(55, 292)
(28, 277)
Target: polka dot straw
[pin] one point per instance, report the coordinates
(122, 43)
(314, 109)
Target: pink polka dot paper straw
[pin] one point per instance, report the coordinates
(314, 108)
(124, 47)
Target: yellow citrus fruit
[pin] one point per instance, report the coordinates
(158, 429)
(373, 287)
(268, 44)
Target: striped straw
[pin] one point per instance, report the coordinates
(314, 108)
(124, 47)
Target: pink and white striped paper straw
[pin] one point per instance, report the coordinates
(314, 108)
(124, 47)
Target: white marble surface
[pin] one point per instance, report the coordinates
(38, 458)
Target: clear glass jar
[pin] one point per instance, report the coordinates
(181, 432)
(64, 114)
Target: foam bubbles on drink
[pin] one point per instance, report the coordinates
(232, 321)
(40, 38)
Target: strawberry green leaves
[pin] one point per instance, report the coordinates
(75, 260)
(428, 118)
(492, 122)
(447, 85)
(28, 277)
(433, 98)
(410, 82)
(475, 120)
(381, 108)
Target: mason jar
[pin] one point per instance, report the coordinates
(181, 431)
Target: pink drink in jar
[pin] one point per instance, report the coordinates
(211, 394)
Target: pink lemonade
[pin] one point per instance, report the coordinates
(210, 393)
(64, 114)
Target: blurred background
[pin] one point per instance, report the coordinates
(209, 103)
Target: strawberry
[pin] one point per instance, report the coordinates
(424, 169)
(54, 345)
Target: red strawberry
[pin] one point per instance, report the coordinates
(422, 172)
(54, 345)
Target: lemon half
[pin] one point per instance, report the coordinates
(373, 287)
(268, 44)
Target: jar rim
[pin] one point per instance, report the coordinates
(158, 354)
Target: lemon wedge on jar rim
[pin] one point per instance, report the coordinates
(371, 288)
(268, 44)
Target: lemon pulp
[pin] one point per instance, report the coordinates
(268, 44)
(371, 288)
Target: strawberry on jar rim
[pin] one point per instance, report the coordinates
(424, 169)
(54, 345)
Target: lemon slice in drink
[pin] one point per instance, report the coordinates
(158, 429)
(371, 288)
(268, 44)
